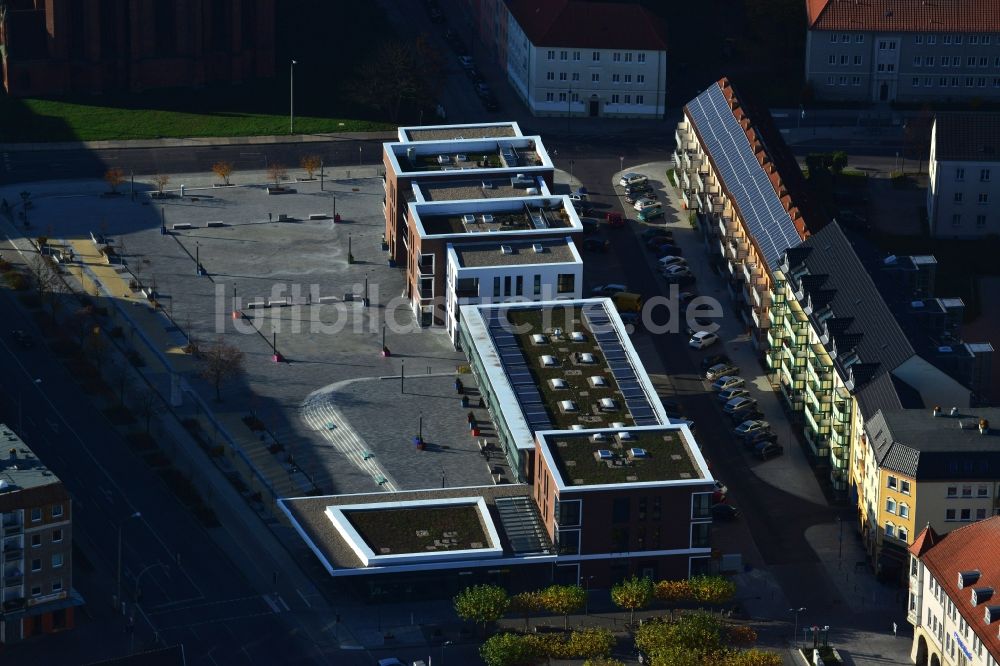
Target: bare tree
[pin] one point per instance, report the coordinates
(46, 281)
(96, 346)
(81, 324)
(160, 180)
(277, 173)
(146, 402)
(222, 362)
(114, 177)
(223, 170)
(400, 72)
(311, 164)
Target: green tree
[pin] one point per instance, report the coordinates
(510, 649)
(482, 604)
(838, 160)
(632, 595)
(591, 642)
(603, 661)
(526, 603)
(563, 600)
(712, 589)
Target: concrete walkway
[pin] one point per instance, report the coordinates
(202, 141)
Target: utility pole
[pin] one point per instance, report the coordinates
(291, 97)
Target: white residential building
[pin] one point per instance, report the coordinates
(964, 175)
(581, 58)
(954, 605)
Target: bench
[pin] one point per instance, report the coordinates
(256, 304)
(327, 299)
(215, 223)
(182, 225)
(318, 216)
(277, 303)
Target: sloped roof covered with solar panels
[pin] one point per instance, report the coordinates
(562, 365)
(726, 142)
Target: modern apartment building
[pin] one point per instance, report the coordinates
(578, 57)
(36, 514)
(953, 605)
(608, 487)
(59, 47)
(736, 174)
(964, 174)
(903, 50)
(937, 467)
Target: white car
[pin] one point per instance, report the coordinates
(703, 340)
(675, 269)
(631, 178)
(643, 204)
(576, 196)
(671, 260)
(608, 290)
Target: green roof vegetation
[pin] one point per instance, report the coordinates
(667, 458)
(420, 530)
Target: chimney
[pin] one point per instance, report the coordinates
(13, 454)
(984, 426)
(954, 411)
(937, 411)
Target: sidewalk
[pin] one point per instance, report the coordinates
(200, 141)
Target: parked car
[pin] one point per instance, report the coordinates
(753, 441)
(631, 179)
(474, 75)
(726, 395)
(751, 414)
(739, 405)
(714, 359)
(466, 62)
(643, 186)
(668, 249)
(608, 290)
(751, 426)
(725, 512)
(654, 242)
(721, 369)
(650, 214)
(726, 382)
(455, 42)
(646, 202)
(702, 340)
(671, 260)
(596, 244)
(490, 103)
(483, 90)
(590, 227)
(577, 196)
(652, 232)
(767, 450)
(680, 279)
(631, 198)
(22, 338)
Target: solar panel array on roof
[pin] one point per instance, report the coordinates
(727, 143)
(516, 367)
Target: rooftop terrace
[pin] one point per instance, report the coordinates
(453, 132)
(515, 254)
(457, 190)
(621, 456)
(419, 529)
(464, 155)
(547, 216)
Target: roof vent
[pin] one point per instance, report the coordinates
(954, 411)
(443, 159)
(890, 260)
(13, 454)
(506, 249)
(586, 358)
(558, 383)
(617, 424)
(916, 304)
(981, 595)
(469, 219)
(488, 185)
(597, 437)
(607, 404)
(597, 381)
(549, 361)
(625, 436)
(605, 454)
(637, 453)
(567, 405)
(576, 426)
(461, 158)
(539, 339)
(577, 336)
(487, 218)
(945, 349)
(967, 578)
(538, 248)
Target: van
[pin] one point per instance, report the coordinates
(627, 302)
(631, 178)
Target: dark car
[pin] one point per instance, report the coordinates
(725, 512)
(668, 249)
(638, 190)
(654, 231)
(474, 75)
(435, 14)
(714, 359)
(672, 408)
(490, 103)
(658, 240)
(756, 440)
(682, 280)
(590, 227)
(22, 338)
(766, 450)
(483, 90)
(596, 244)
(751, 414)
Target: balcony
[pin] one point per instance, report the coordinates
(793, 366)
(686, 181)
(792, 397)
(716, 202)
(736, 249)
(690, 199)
(774, 357)
(777, 318)
(699, 200)
(13, 552)
(690, 160)
(727, 227)
(840, 434)
(13, 528)
(13, 578)
(773, 336)
(761, 296)
(700, 179)
(817, 421)
(818, 399)
(842, 406)
(426, 267)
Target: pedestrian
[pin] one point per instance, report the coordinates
(894, 630)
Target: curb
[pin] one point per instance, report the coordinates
(201, 141)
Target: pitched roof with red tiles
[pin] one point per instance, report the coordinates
(589, 25)
(970, 548)
(904, 15)
(925, 540)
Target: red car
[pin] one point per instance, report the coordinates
(614, 219)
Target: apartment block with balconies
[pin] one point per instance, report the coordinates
(36, 558)
(964, 173)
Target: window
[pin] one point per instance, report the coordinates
(949, 514)
(596, 56)
(969, 82)
(981, 82)
(952, 491)
(615, 99)
(892, 44)
(537, 286)
(858, 60)
(904, 510)
(36, 515)
(971, 62)
(57, 511)
(36, 590)
(568, 542)
(890, 67)
(568, 513)
(616, 57)
(901, 534)
(881, 67)
(620, 510)
(496, 281)
(36, 565)
(929, 61)
(980, 514)
(928, 81)
(57, 585)
(947, 40)
(915, 81)
(890, 505)
(57, 560)
(904, 487)
(576, 76)
(519, 281)
(882, 45)
(958, 39)
(980, 221)
(932, 39)
(965, 514)
(640, 78)
(833, 38)
(859, 39)
(959, 174)
(956, 61)
(890, 530)
(843, 59)
(984, 198)
(562, 97)
(628, 99)
(893, 482)
(973, 39)
(699, 534)
(551, 55)
(628, 78)
(984, 175)
(919, 39)
(562, 76)
(830, 80)
(842, 80)
(595, 77)
(958, 198)
(943, 81)
(564, 55)
(855, 80)
(917, 60)
(845, 38)
(628, 57)
(639, 99)
(550, 76)
(984, 61)
(566, 283)
(615, 78)
(550, 97)
(956, 220)
(982, 491)
(56, 536)
(986, 40)
(996, 82)
(36, 540)
(576, 55)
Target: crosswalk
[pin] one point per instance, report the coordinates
(320, 414)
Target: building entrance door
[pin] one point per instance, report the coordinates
(883, 92)
(595, 107)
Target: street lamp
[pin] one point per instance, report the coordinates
(121, 526)
(796, 611)
(586, 597)
(291, 97)
(621, 162)
(443, 646)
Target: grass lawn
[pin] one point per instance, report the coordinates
(667, 460)
(420, 530)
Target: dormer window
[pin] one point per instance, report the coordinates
(981, 595)
(967, 578)
(991, 614)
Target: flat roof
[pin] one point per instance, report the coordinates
(652, 455)
(472, 217)
(453, 132)
(583, 372)
(525, 253)
(20, 468)
(520, 539)
(498, 187)
(502, 155)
